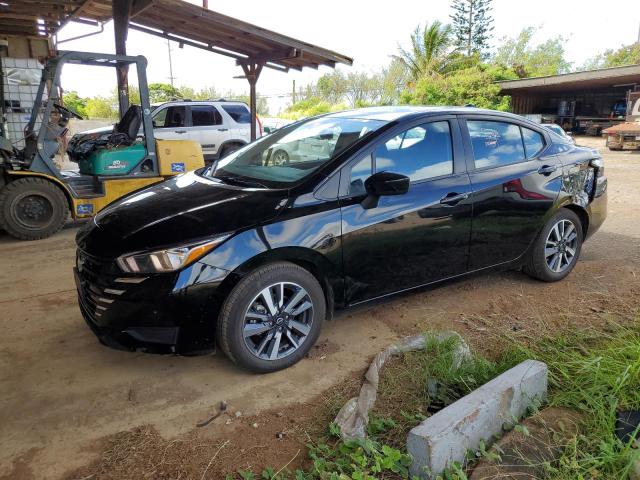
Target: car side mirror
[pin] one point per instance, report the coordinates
(383, 184)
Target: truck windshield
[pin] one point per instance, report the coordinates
(293, 152)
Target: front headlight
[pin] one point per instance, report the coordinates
(167, 260)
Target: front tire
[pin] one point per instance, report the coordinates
(32, 208)
(557, 248)
(271, 318)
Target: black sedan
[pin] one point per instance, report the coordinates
(255, 254)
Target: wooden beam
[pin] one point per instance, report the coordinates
(121, 15)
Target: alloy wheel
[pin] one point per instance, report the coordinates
(278, 321)
(280, 157)
(561, 246)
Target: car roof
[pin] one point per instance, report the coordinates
(393, 113)
(203, 102)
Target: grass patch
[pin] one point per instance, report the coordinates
(594, 372)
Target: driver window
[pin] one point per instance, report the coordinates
(170, 117)
(420, 152)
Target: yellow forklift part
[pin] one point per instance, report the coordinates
(178, 156)
(114, 188)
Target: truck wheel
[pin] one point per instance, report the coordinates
(271, 318)
(32, 208)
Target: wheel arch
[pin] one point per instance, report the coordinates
(582, 214)
(312, 261)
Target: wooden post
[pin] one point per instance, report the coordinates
(121, 12)
(252, 73)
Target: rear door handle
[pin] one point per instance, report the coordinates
(547, 169)
(453, 198)
(180, 131)
(223, 129)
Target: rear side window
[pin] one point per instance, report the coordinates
(205, 115)
(533, 142)
(239, 113)
(420, 153)
(495, 143)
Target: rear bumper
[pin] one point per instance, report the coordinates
(597, 208)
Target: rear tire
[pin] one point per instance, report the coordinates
(265, 335)
(32, 208)
(557, 248)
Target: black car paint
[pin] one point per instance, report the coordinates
(359, 254)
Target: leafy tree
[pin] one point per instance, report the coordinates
(310, 107)
(625, 55)
(332, 87)
(162, 92)
(527, 60)
(101, 107)
(468, 86)
(472, 25)
(75, 102)
(394, 79)
(429, 49)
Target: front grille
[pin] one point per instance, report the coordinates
(99, 286)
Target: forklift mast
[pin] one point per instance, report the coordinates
(40, 145)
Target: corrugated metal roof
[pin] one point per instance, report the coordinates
(601, 78)
(176, 20)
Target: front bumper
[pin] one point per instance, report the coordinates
(165, 313)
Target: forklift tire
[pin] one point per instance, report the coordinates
(32, 208)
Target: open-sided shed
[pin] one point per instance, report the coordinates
(253, 47)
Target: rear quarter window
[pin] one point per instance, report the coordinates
(239, 113)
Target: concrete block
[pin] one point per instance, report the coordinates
(445, 437)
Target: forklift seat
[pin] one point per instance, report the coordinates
(130, 123)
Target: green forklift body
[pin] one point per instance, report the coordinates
(113, 161)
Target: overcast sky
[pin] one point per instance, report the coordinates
(368, 31)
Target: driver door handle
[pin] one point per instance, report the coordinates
(223, 129)
(453, 198)
(547, 169)
(180, 131)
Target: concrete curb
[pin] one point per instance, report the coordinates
(446, 437)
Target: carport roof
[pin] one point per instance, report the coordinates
(176, 20)
(587, 80)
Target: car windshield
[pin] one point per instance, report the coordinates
(292, 152)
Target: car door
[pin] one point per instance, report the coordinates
(207, 128)
(169, 122)
(515, 183)
(412, 239)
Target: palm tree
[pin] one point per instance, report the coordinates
(429, 50)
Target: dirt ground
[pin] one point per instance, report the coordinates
(71, 408)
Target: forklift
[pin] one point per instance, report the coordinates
(36, 197)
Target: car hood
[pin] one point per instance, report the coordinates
(178, 211)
